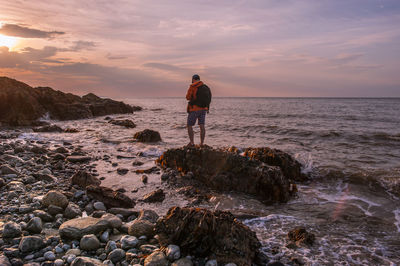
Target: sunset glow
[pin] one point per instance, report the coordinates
(7, 41)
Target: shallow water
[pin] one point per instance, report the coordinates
(351, 148)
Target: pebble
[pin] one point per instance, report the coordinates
(49, 255)
(173, 252)
(89, 242)
(111, 245)
(11, 230)
(128, 242)
(116, 255)
(105, 236)
(58, 262)
(35, 225)
(99, 206)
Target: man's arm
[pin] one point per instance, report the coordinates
(189, 94)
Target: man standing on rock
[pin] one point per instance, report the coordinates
(199, 97)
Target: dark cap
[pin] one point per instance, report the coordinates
(196, 77)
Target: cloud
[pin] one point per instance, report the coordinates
(25, 32)
(82, 45)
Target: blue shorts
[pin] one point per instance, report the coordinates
(196, 115)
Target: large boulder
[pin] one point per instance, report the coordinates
(147, 135)
(84, 179)
(109, 197)
(228, 171)
(22, 105)
(202, 233)
(78, 227)
(289, 166)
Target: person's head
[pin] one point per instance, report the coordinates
(195, 78)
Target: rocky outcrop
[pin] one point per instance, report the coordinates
(228, 171)
(202, 233)
(289, 166)
(109, 197)
(124, 123)
(147, 135)
(22, 105)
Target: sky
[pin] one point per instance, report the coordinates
(254, 48)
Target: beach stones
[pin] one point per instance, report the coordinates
(7, 170)
(78, 159)
(72, 211)
(78, 227)
(128, 242)
(300, 236)
(141, 228)
(11, 230)
(89, 242)
(35, 225)
(147, 135)
(110, 197)
(156, 258)
(55, 198)
(86, 261)
(183, 262)
(4, 261)
(84, 179)
(173, 252)
(122, 171)
(31, 243)
(116, 255)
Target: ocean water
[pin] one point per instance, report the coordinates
(350, 148)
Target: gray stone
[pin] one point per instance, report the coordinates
(128, 242)
(173, 252)
(156, 258)
(58, 262)
(71, 258)
(55, 198)
(54, 210)
(35, 225)
(11, 230)
(76, 252)
(116, 255)
(183, 262)
(78, 227)
(111, 245)
(105, 236)
(31, 243)
(49, 255)
(212, 263)
(72, 211)
(89, 242)
(141, 227)
(98, 205)
(86, 261)
(113, 221)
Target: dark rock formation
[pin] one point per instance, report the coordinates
(110, 197)
(84, 179)
(300, 236)
(124, 123)
(202, 233)
(289, 166)
(227, 171)
(48, 128)
(155, 196)
(147, 135)
(22, 105)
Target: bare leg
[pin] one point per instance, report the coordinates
(191, 135)
(202, 134)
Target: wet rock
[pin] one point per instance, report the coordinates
(72, 211)
(300, 236)
(148, 215)
(202, 233)
(4, 261)
(86, 261)
(141, 228)
(124, 123)
(35, 225)
(137, 163)
(155, 196)
(122, 171)
(144, 179)
(99, 206)
(183, 262)
(78, 227)
(128, 242)
(89, 242)
(110, 197)
(78, 159)
(147, 135)
(111, 245)
(48, 128)
(7, 170)
(31, 243)
(105, 236)
(173, 252)
(116, 255)
(147, 171)
(289, 166)
(226, 171)
(84, 179)
(55, 198)
(157, 258)
(71, 130)
(11, 230)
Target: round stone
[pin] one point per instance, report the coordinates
(116, 255)
(173, 252)
(35, 225)
(49, 255)
(89, 242)
(55, 198)
(99, 206)
(128, 242)
(11, 230)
